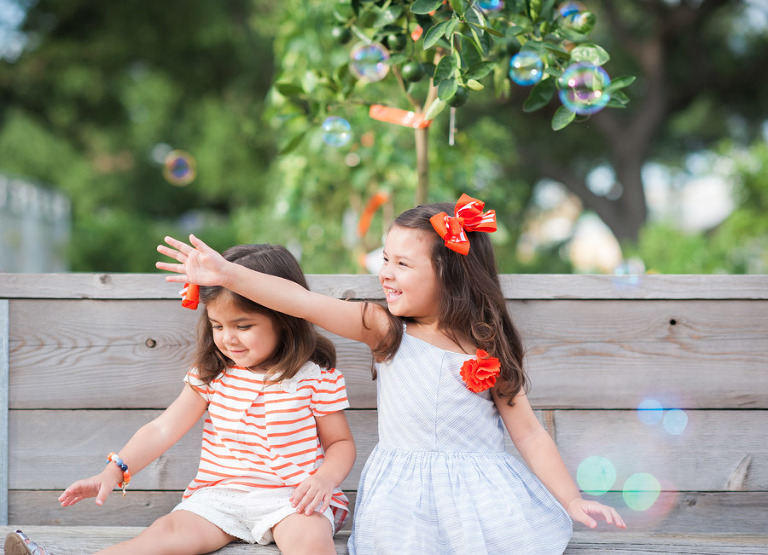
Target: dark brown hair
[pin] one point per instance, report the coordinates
(471, 300)
(298, 340)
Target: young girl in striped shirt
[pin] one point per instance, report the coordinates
(276, 444)
(450, 379)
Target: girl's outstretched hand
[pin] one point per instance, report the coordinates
(97, 486)
(198, 263)
(584, 511)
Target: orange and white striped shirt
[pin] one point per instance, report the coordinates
(264, 435)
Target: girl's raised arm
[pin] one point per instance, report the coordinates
(202, 265)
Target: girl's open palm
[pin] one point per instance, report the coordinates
(584, 511)
(97, 486)
(198, 264)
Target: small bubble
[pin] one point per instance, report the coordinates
(526, 68)
(491, 5)
(650, 412)
(582, 88)
(336, 131)
(179, 168)
(675, 421)
(369, 62)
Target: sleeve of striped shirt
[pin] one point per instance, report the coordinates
(330, 393)
(193, 380)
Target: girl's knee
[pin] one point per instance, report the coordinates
(300, 534)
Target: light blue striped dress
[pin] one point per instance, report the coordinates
(439, 480)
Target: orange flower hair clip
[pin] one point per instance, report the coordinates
(469, 217)
(480, 373)
(190, 296)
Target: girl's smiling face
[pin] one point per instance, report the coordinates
(407, 276)
(247, 338)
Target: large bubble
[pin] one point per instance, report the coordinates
(336, 131)
(369, 61)
(526, 68)
(641, 490)
(582, 88)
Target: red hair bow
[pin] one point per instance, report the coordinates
(190, 296)
(469, 217)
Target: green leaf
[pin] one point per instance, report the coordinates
(562, 118)
(451, 27)
(620, 83)
(458, 6)
(591, 53)
(390, 15)
(434, 34)
(446, 89)
(479, 70)
(289, 89)
(435, 108)
(540, 95)
(491, 31)
(618, 99)
(423, 7)
(445, 69)
(475, 85)
(293, 143)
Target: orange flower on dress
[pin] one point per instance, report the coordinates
(480, 373)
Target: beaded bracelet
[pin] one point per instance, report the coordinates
(113, 457)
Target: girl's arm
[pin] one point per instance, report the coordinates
(204, 266)
(148, 443)
(315, 492)
(540, 453)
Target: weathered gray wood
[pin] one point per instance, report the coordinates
(132, 354)
(515, 286)
(4, 402)
(64, 540)
(703, 458)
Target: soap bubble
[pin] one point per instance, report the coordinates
(650, 411)
(491, 5)
(675, 421)
(569, 9)
(641, 490)
(369, 61)
(526, 68)
(179, 168)
(582, 88)
(596, 475)
(336, 131)
(574, 16)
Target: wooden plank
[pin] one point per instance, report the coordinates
(80, 440)
(630, 348)
(4, 402)
(74, 540)
(717, 451)
(515, 286)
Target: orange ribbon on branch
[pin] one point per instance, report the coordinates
(469, 216)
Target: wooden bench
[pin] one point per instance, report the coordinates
(85, 359)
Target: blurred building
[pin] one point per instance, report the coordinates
(35, 224)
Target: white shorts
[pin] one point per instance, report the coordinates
(248, 515)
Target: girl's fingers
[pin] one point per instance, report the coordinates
(180, 246)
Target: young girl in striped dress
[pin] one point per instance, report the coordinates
(450, 380)
(276, 444)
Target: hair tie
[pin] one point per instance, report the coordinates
(190, 296)
(469, 217)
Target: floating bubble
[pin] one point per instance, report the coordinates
(568, 9)
(628, 273)
(491, 6)
(582, 88)
(650, 411)
(641, 490)
(675, 421)
(574, 16)
(596, 475)
(369, 61)
(526, 68)
(179, 168)
(336, 131)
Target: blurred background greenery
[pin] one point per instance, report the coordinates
(94, 94)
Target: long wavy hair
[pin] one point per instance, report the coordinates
(471, 301)
(298, 340)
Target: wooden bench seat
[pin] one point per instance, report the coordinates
(85, 359)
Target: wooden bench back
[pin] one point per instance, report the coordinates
(86, 359)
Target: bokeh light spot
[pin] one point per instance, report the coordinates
(491, 5)
(336, 131)
(675, 421)
(650, 411)
(641, 490)
(596, 475)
